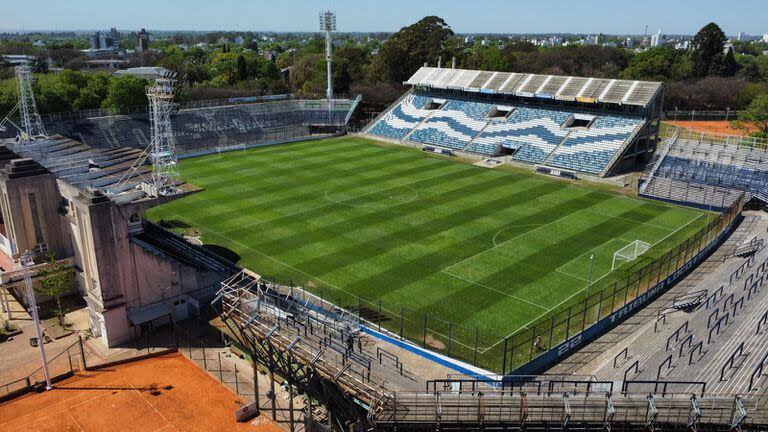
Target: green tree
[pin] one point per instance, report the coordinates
(756, 115)
(728, 65)
(55, 280)
(224, 67)
(125, 91)
(406, 51)
(658, 64)
(242, 70)
(56, 93)
(708, 46)
(95, 91)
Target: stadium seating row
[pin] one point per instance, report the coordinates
(205, 128)
(694, 163)
(536, 135)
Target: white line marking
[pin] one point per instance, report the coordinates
(267, 256)
(343, 202)
(508, 227)
(511, 239)
(630, 220)
(492, 289)
(583, 289)
(332, 203)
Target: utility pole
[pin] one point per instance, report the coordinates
(25, 259)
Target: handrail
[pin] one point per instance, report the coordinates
(671, 141)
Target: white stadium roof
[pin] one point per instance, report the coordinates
(567, 88)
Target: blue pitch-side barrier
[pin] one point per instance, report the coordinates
(566, 348)
(440, 359)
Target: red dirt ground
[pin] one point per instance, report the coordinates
(166, 393)
(712, 126)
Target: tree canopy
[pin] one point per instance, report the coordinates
(403, 54)
(756, 115)
(707, 50)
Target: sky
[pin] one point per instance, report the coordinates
(468, 16)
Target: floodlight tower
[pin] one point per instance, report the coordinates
(165, 174)
(328, 25)
(30, 119)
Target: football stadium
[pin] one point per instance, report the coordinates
(494, 250)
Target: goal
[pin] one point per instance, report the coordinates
(629, 252)
(227, 148)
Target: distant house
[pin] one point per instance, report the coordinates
(17, 59)
(106, 64)
(146, 72)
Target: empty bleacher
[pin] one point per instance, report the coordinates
(708, 170)
(709, 338)
(590, 150)
(402, 117)
(202, 129)
(454, 125)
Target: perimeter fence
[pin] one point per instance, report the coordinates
(532, 347)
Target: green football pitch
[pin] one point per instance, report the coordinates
(492, 249)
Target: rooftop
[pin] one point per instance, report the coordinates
(111, 172)
(566, 88)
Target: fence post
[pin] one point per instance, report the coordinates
(477, 333)
(402, 318)
(533, 337)
(237, 383)
(504, 360)
(221, 371)
(256, 380)
(425, 331)
(82, 352)
(450, 336)
(379, 315)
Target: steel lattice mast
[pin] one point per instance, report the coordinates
(165, 175)
(30, 119)
(328, 25)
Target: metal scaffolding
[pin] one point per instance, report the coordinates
(30, 119)
(165, 174)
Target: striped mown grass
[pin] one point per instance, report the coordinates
(493, 249)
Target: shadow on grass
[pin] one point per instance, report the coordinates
(173, 223)
(226, 253)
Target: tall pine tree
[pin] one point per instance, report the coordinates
(708, 46)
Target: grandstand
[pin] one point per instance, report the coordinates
(706, 336)
(209, 126)
(587, 125)
(707, 170)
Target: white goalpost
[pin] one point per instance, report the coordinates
(629, 252)
(232, 147)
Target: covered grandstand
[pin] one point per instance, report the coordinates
(212, 126)
(587, 125)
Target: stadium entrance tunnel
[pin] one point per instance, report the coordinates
(756, 204)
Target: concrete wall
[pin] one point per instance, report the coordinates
(113, 274)
(17, 212)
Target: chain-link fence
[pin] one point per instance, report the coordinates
(506, 354)
(232, 365)
(62, 363)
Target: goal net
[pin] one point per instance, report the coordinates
(227, 148)
(629, 252)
